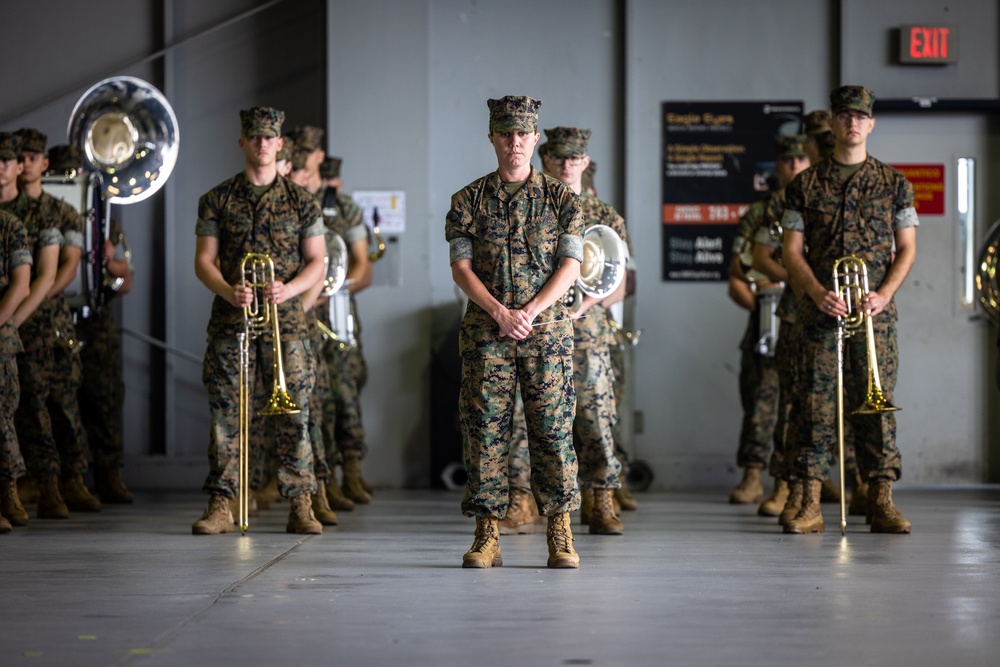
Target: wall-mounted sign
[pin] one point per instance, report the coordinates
(391, 207)
(717, 157)
(928, 44)
(928, 186)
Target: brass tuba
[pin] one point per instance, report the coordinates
(986, 273)
(340, 322)
(603, 267)
(128, 139)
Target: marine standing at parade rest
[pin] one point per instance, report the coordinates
(15, 283)
(258, 211)
(64, 409)
(792, 159)
(851, 204)
(515, 243)
(348, 369)
(566, 158)
(35, 364)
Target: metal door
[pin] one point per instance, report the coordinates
(945, 385)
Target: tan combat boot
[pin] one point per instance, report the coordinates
(111, 487)
(50, 501)
(485, 550)
(775, 503)
(301, 519)
(253, 509)
(521, 513)
(336, 497)
(626, 501)
(604, 520)
(586, 505)
(560, 540)
(859, 499)
(269, 493)
(216, 519)
(321, 506)
(10, 504)
(353, 486)
(810, 517)
(794, 502)
(78, 497)
(5, 526)
(750, 489)
(27, 489)
(885, 517)
(829, 491)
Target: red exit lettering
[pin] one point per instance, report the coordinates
(929, 43)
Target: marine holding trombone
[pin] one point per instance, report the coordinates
(851, 204)
(257, 212)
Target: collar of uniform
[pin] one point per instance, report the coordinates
(829, 169)
(244, 187)
(532, 188)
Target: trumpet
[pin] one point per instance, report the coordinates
(257, 271)
(850, 282)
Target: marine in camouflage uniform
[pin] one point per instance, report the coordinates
(64, 410)
(758, 379)
(15, 278)
(344, 429)
(851, 204)
(818, 145)
(258, 211)
(596, 413)
(36, 364)
(102, 391)
(515, 238)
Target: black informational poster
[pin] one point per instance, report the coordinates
(717, 157)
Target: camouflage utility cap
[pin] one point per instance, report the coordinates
(261, 121)
(330, 167)
(32, 141)
(63, 159)
(790, 146)
(564, 141)
(587, 180)
(10, 146)
(852, 98)
(817, 122)
(513, 112)
(299, 157)
(308, 137)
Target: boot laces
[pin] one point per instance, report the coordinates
(561, 538)
(484, 535)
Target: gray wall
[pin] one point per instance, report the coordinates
(402, 87)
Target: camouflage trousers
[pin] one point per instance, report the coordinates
(64, 409)
(486, 411)
(102, 390)
(290, 433)
(11, 462)
(518, 461)
(596, 416)
(321, 394)
(343, 430)
(759, 397)
(616, 353)
(786, 355)
(874, 436)
(35, 368)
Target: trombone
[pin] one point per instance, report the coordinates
(257, 271)
(850, 283)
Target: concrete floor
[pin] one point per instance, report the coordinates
(694, 581)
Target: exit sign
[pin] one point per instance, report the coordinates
(928, 44)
